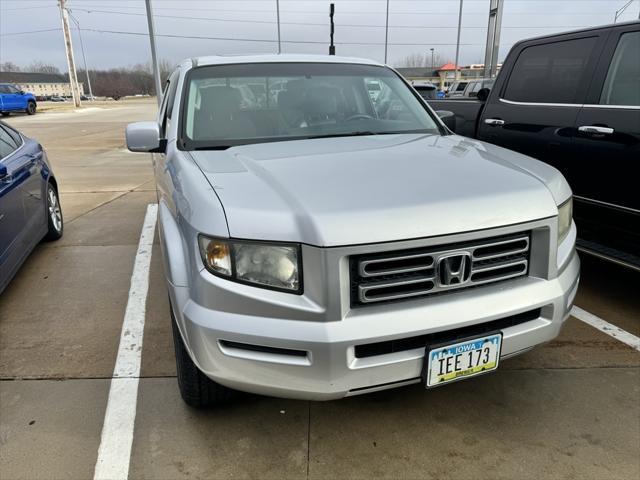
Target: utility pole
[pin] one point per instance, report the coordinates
(73, 77)
(84, 58)
(278, 15)
(493, 38)
(458, 41)
(332, 47)
(386, 34)
(154, 55)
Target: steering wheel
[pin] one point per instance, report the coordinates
(359, 116)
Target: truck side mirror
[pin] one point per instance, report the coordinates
(483, 94)
(144, 137)
(448, 118)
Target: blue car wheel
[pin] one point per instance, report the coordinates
(54, 214)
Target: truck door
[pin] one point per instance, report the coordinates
(607, 147)
(12, 99)
(3, 93)
(536, 101)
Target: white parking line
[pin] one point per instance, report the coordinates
(117, 431)
(606, 327)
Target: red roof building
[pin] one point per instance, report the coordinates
(448, 67)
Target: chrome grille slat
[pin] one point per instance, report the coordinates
(492, 280)
(427, 264)
(416, 272)
(497, 266)
(502, 254)
(382, 298)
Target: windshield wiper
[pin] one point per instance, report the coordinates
(346, 134)
(361, 134)
(213, 147)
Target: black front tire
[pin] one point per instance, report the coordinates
(5, 114)
(31, 108)
(55, 221)
(197, 390)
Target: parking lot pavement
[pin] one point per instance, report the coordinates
(569, 409)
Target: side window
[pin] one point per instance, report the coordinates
(163, 104)
(550, 73)
(474, 88)
(17, 139)
(167, 101)
(4, 89)
(622, 85)
(461, 86)
(7, 143)
(171, 94)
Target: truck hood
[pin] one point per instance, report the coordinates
(356, 190)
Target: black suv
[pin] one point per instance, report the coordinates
(573, 100)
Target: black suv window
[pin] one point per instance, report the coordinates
(622, 85)
(550, 73)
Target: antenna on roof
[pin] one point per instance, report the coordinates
(332, 47)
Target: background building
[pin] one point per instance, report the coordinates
(40, 84)
(443, 76)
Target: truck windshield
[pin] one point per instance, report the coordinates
(230, 105)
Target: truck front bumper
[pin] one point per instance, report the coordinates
(317, 360)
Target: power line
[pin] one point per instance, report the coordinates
(266, 40)
(30, 31)
(27, 8)
(269, 22)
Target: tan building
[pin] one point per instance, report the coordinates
(444, 76)
(40, 84)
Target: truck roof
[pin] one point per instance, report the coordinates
(571, 32)
(278, 58)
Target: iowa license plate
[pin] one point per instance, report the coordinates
(448, 363)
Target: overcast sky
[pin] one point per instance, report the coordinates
(415, 26)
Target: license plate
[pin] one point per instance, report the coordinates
(448, 363)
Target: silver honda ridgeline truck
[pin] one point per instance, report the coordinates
(324, 233)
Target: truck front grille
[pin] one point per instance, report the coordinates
(417, 272)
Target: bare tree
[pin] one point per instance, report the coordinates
(166, 67)
(9, 67)
(116, 82)
(420, 60)
(41, 67)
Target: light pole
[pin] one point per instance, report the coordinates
(458, 41)
(493, 38)
(386, 34)
(84, 58)
(154, 55)
(278, 15)
(432, 60)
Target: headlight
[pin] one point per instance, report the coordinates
(565, 213)
(273, 266)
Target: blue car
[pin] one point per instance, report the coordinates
(29, 203)
(12, 99)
